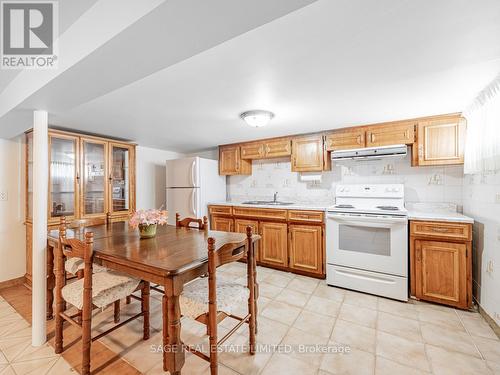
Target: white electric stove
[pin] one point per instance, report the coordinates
(367, 240)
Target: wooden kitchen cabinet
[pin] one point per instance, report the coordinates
(255, 150)
(345, 139)
(441, 262)
(391, 134)
(274, 248)
(440, 141)
(231, 163)
(306, 248)
(240, 226)
(278, 147)
(224, 224)
(307, 154)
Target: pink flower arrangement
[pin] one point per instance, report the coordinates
(148, 217)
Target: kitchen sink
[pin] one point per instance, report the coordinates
(270, 203)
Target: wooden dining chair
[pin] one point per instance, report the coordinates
(211, 302)
(93, 291)
(186, 222)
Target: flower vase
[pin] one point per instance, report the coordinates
(147, 230)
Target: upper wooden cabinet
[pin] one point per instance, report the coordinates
(271, 148)
(231, 163)
(345, 139)
(307, 154)
(440, 142)
(390, 134)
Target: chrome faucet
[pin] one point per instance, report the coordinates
(275, 197)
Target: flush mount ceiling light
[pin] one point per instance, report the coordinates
(257, 117)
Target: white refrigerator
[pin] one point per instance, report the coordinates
(192, 183)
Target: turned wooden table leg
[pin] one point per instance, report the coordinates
(173, 356)
(51, 278)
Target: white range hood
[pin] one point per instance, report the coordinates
(368, 153)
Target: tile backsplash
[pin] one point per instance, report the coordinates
(422, 184)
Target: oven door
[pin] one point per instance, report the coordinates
(370, 242)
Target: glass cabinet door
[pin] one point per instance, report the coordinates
(94, 187)
(121, 158)
(29, 176)
(63, 158)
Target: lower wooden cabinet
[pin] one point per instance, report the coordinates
(240, 226)
(441, 265)
(274, 248)
(305, 248)
(224, 224)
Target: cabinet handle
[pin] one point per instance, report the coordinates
(421, 151)
(372, 137)
(441, 230)
(419, 258)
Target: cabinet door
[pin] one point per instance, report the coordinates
(441, 142)
(224, 224)
(230, 162)
(441, 272)
(278, 147)
(252, 151)
(121, 179)
(382, 135)
(346, 139)
(307, 154)
(306, 248)
(94, 180)
(273, 247)
(240, 226)
(63, 177)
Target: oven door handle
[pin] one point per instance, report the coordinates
(369, 221)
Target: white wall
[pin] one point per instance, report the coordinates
(150, 176)
(211, 153)
(482, 202)
(12, 230)
(422, 184)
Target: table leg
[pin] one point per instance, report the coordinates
(173, 354)
(50, 281)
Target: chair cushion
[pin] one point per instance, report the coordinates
(74, 264)
(194, 298)
(107, 287)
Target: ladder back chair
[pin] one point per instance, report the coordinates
(93, 291)
(211, 302)
(186, 222)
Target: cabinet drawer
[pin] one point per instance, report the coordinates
(455, 231)
(220, 210)
(301, 215)
(260, 213)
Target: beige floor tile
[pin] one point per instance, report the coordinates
(61, 367)
(477, 326)
(356, 362)
(402, 351)
(244, 363)
(354, 335)
(270, 332)
(450, 339)
(141, 355)
(8, 370)
(358, 315)
(268, 290)
(445, 362)
(30, 353)
(329, 292)
(490, 349)
(386, 367)
(12, 347)
(17, 328)
(361, 299)
(37, 366)
(316, 324)
(3, 359)
(304, 345)
(404, 309)
(323, 306)
(293, 297)
(495, 367)
(278, 279)
(303, 284)
(284, 364)
(444, 317)
(281, 312)
(399, 326)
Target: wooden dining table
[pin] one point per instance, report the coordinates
(171, 259)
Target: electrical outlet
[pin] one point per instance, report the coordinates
(489, 267)
(4, 196)
(497, 198)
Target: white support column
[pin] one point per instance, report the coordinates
(39, 257)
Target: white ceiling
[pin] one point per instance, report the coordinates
(326, 65)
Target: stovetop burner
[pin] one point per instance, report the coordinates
(388, 208)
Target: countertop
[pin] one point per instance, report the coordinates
(295, 206)
(436, 212)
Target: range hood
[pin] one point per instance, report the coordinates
(370, 153)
